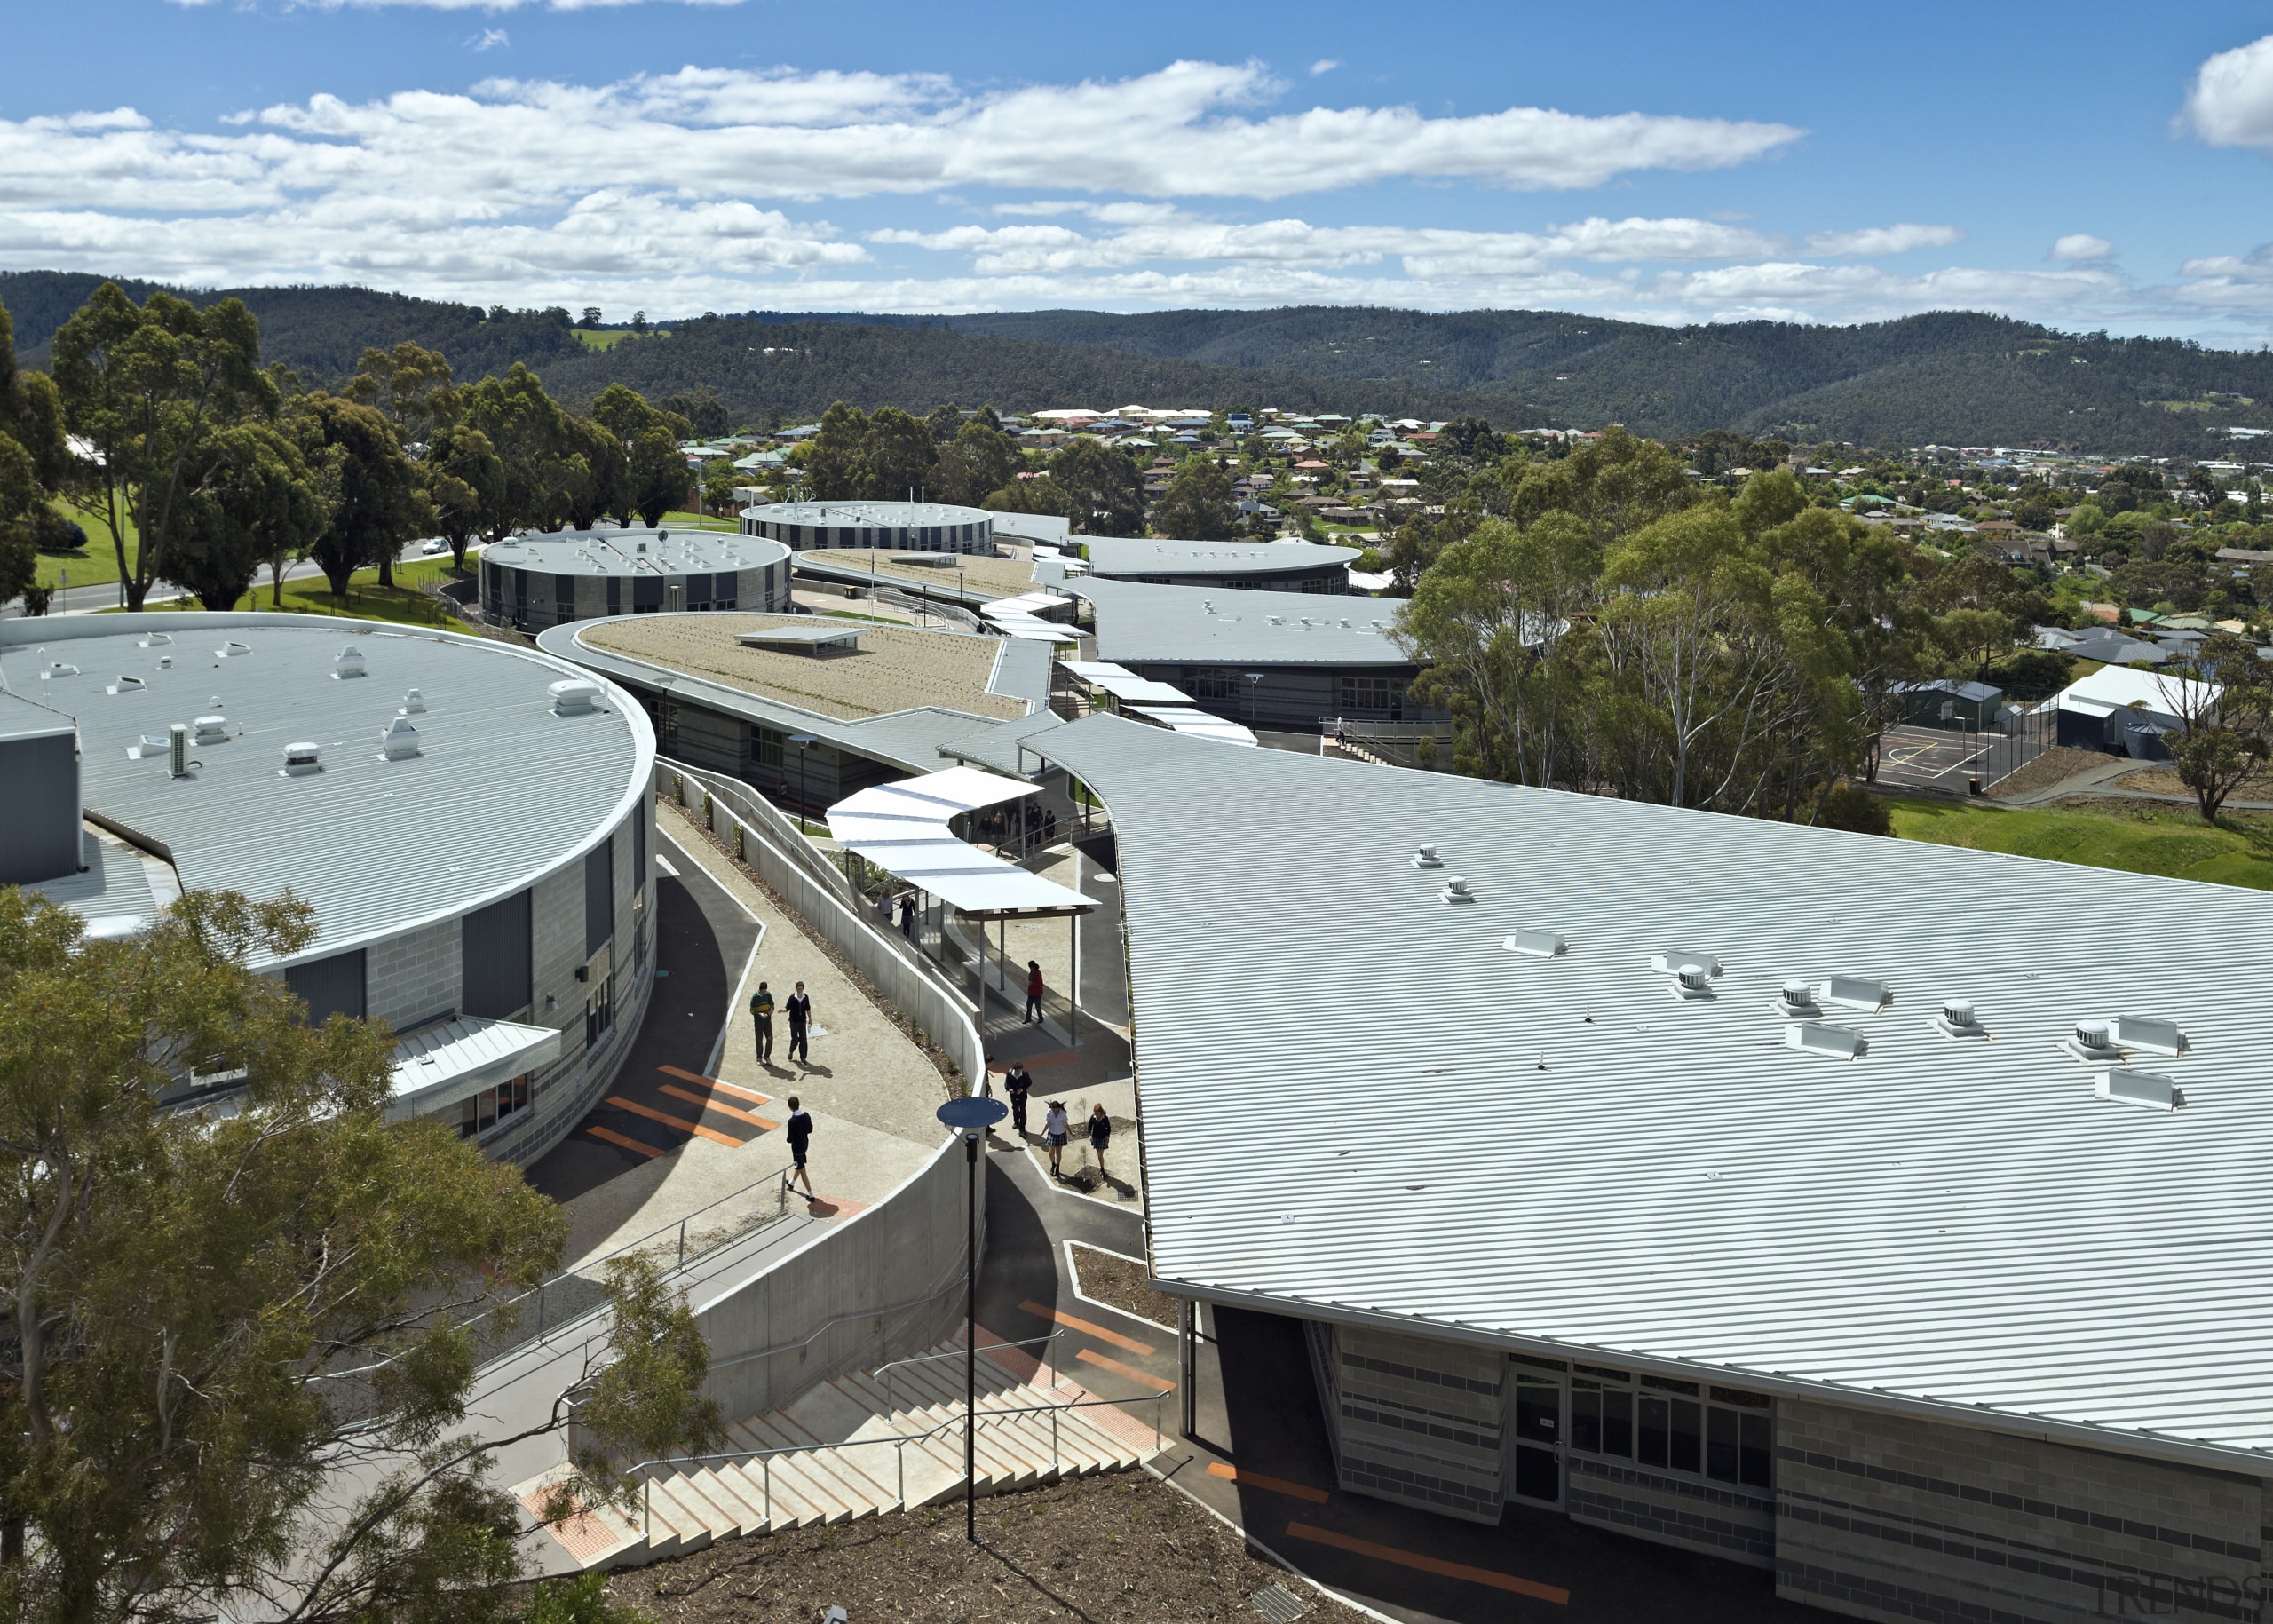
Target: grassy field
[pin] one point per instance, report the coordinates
(591, 340)
(403, 603)
(709, 521)
(2141, 837)
(98, 562)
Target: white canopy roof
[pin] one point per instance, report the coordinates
(1185, 719)
(2119, 688)
(1126, 684)
(902, 828)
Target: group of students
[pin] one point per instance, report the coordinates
(800, 1009)
(1056, 1128)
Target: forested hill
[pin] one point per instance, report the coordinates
(1957, 377)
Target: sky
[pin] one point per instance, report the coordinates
(2086, 165)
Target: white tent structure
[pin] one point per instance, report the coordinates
(903, 829)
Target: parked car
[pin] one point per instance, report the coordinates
(433, 544)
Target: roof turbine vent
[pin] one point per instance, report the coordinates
(299, 760)
(572, 696)
(1691, 981)
(211, 729)
(1798, 999)
(348, 664)
(1426, 856)
(1456, 890)
(2093, 1040)
(414, 704)
(1958, 1020)
(398, 739)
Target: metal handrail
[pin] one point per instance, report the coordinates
(900, 1442)
(956, 1354)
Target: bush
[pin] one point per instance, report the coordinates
(53, 532)
(1855, 809)
(581, 1600)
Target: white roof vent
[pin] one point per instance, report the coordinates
(398, 741)
(1813, 1037)
(1692, 979)
(56, 668)
(154, 639)
(1958, 1020)
(414, 704)
(2093, 1040)
(299, 760)
(211, 730)
(2149, 1089)
(127, 684)
(165, 662)
(1798, 999)
(350, 663)
(1426, 856)
(1534, 944)
(232, 649)
(1667, 964)
(2159, 1037)
(1456, 890)
(147, 746)
(1854, 993)
(572, 696)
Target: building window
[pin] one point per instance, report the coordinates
(1718, 1433)
(493, 1105)
(1206, 682)
(614, 596)
(1373, 693)
(599, 1012)
(766, 745)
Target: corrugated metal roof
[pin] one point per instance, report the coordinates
(440, 1064)
(502, 790)
(1355, 1098)
(1139, 625)
(625, 553)
(1134, 556)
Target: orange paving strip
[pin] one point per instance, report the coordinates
(613, 1138)
(668, 1121)
(1089, 1327)
(1119, 1369)
(1277, 1486)
(736, 1089)
(1429, 1565)
(738, 1115)
(583, 1536)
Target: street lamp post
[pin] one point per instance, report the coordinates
(973, 1116)
(801, 740)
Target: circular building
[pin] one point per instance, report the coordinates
(472, 824)
(902, 527)
(550, 577)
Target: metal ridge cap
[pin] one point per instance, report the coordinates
(2249, 1459)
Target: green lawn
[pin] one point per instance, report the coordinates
(709, 521)
(403, 603)
(610, 339)
(98, 562)
(2143, 837)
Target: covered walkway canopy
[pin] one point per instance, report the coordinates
(902, 828)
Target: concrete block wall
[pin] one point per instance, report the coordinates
(415, 976)
(1421, 1423)
(882, 1285)
(1718, 1519)
(1892, 1519)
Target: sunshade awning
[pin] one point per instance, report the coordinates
(1199, 723)
(902, 828)
(450, 1061)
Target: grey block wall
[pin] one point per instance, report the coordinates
(413, 976)
(1717, 1519)
(1421, 1423)
(1891, 1518)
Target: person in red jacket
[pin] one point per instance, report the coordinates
(1033, 991)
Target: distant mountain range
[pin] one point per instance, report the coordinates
(1957, 377)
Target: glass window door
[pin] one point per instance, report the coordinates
(1535, 1434)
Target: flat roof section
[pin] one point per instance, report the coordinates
(1110, 555)
(503, 788)
(895, 668)
(1216, 626)
(1545, 1146)
(996, 577)
(807, 636)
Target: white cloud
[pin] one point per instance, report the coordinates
(489, 39)
(1324, 65)
(2079, 246)
(1883, 240)
(2231, 101)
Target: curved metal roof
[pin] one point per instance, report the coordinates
(667, 551)
(503, 789)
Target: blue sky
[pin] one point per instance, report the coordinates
(2084, 165)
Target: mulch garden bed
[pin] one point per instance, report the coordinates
(1121, 1282)
(1101, 1549)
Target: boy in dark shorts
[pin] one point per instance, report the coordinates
(800, 1135)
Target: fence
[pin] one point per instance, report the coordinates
(826, 901)
(2013, 738)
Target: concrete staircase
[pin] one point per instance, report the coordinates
(862, 1445)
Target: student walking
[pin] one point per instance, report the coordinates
(907, 915)
(761, 1015)
(1033, 991)
(1100, 1135)
(1017, 1083)
(800, 1135)
(801, 1010)
(1054, 1132)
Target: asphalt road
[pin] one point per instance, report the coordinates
(105, 594)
